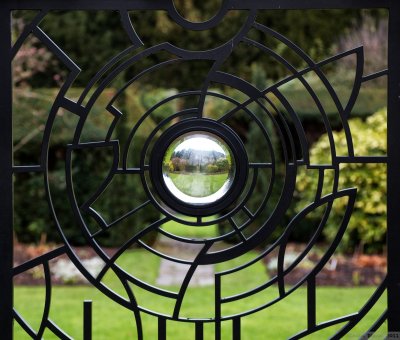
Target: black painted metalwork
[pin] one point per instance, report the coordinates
(87, 320)
(393, 314)
(210, 126)
(6, 179)
(292, 142)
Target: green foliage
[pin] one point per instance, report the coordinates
(212, 168)
(369, 101)
(92, 38)
(33, 221)
(257, 152)
(368, 222)
(222, 164)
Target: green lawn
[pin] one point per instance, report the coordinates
(192, 231)
(198, 184)
(114, 322)
(110, 321)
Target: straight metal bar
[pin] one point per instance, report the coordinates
(199, 331)
(217, 307)
(236, 332)
(6, 147)
(162, 328)
(393, 170)
(311, 302)
(87, 320)
(6, 178)
(162, 4)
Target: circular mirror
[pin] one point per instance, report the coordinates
(198, 168)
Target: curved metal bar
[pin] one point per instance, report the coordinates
(325, 119)
(103, 70)
(109, 262)
(117, 116)
(351, 194)
(144, 116)
(320, 74)
(139, 75)
(129, 29)
(44, 157)
(57, 331)
(187, 279)
(223, 56)
(145, 150)
(24, 325)
(311, 243)
(289, 183)
(313, 272)
(326, 199)
(28, 29)
(358, 79)
(237, 230)
(58, 52)
(162, 255)
(264, 232)
(363, 311)
(217, 238)
(213, 54)
(254, 94)
(286, 129)
(297, 124)
(377, 324)
(47, 301)
(197, 26)
(115, 147)
(39, 260)
(127, 244)
(99, 219)
(110, 77)
(136, 312)
(77, 213)
(152, 289)
(323, 325)
(118, 220)
(217, 55)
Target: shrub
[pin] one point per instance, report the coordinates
(367, 226)
(33, 222)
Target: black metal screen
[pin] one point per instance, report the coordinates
(287, 151)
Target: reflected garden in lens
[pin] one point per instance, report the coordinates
(198, 168)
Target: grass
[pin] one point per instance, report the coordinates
(198, 184)
(192, 231)
(111, 321)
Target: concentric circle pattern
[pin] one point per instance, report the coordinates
(251, 203)
(200, 171)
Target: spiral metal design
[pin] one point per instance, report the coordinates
(272, 175)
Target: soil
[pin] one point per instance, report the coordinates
(356, 270)
(363, 270)
(341, 270)
(35, 276)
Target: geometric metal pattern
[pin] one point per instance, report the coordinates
(289, 153)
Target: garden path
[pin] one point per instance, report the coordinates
(173, 273)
